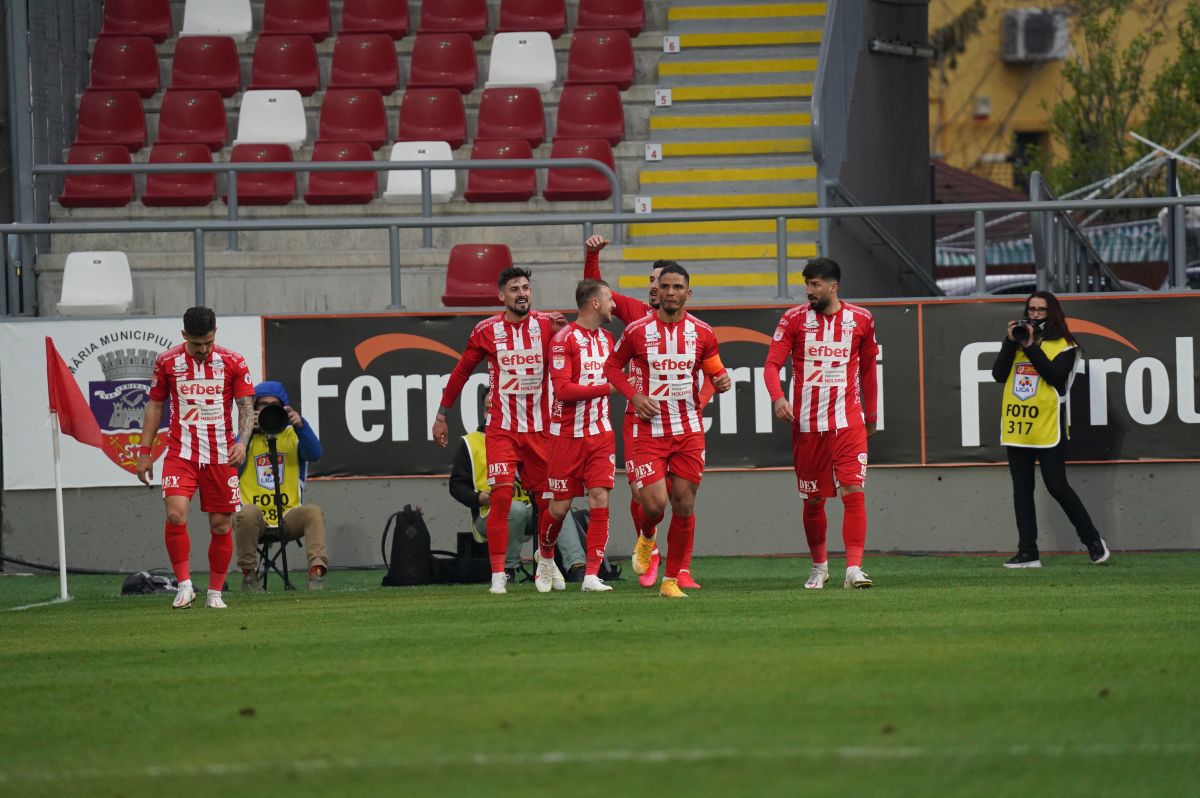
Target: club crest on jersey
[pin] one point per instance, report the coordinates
(811, 323)
(1025, 381)
(180, 367)
(690, 336)
(849, 323)
(559, 361)
(652, 335)
(499, 331)
(778, 336)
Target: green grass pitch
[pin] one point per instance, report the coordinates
(952, 677)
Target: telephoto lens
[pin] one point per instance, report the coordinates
(272, 419)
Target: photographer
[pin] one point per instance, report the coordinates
(1036, 363)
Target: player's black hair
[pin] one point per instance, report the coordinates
(662, 264)
(587, 290)
(199, 321)
(823, 269)
(512, 273)
(674, 268)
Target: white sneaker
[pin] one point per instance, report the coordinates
(185, 596)
(544, 580)
(214, 600)
(594, 584)
(856, 578)
(817, 577)
(499, 583)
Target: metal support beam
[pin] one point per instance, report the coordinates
(198, 263)
(21, 131)
(232, 192)
(1179, 267)
(426, 207)
(394, 266)
(980, 254)
(781, 258)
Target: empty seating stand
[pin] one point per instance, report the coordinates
(341, 188)
(218, 18)
(96, 283)
(192, 117)
(375, 16)
(433, 115)
(111, 117)
(528, 15)
(125, 62)
(472, 272)
(626, 15)
(512, 113)
(183, 189)
(601, 56)
(590, 112)
(443, 61)
(454, 16)
(285, 62)
(97, 190)
(522, 59)
(353, 115)
(206, 62)
(579, 184)
(272, 117)
(305, 17)
(137, 18)
(364, 61)
(500, 185)
(264, 188)
(405, 186)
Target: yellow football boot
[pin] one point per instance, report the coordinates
(670, 589)
(641, 554)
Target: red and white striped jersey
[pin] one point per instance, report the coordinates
(201, 395)
(833, 366)
(516, 355)
(664, 364)
(577, 357)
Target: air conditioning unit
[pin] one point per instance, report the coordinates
(1035, 34)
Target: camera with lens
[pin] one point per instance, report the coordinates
(1021, 335)
(273, 419)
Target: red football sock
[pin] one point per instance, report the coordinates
(220, 551)
(687, 553)
(646, 528)
(179, 550)
(497, 526)
(679, 541)
(854, 527)
(635, 512)
(548, 529)
(597, 539)
(815, 526)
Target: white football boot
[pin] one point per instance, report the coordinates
(214, 600)
(185, 596)
(499, 583)
(856, 578)
(817, 577)
(544, 579)
(594, 584)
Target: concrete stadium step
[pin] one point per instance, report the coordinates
(721, 252)
(738, 65)
(715, 121)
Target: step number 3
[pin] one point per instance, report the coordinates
(662, 97)
(641, 205)
(670, 44)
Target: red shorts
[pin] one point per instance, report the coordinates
(577, 464)
(509, 451)
(825, 460)
(218, 484)
(681, 456)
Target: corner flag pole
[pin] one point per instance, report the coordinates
(58, 506)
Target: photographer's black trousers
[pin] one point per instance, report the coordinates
(1021, 461)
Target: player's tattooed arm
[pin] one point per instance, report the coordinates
(245, 406)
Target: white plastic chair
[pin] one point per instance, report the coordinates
(272, 116)
(217, 18)
(522, 59)
(96, 284)
(405, 186)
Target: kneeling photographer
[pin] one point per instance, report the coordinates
(1036, 363)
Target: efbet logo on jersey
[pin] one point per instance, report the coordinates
(262, 471)
(1025, 381)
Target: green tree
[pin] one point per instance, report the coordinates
(1173, 111)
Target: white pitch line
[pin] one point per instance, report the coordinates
(39, 604)
(606, 757)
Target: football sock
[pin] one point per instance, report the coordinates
(815, 527)
(220, 552)
(687, 552)
(548, 529)
(497, 526)
(854, 527)
(646, 529)
(597, 540)
(179, 550)
(635, 512)
(679, 541)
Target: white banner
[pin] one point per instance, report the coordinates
(112, 361)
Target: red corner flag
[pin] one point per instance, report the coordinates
(74, 416)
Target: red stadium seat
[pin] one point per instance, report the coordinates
(375, 16)
(192, 117)
(111, 117)
(264, 188)
(97, 191)
(341, 188)
(454, 16)
(512, 113)
(353, 115)
(590, 112)
(185, 189)
(500, 185)
(285, 62)
(433, 115)
(579, 184)
(518, 16)
(364, 61)
(206, 62)
(302, 17)
(137, 18)
(626, 15)
(601, 56)
(472, 272)
(125, 62)
(443, 60)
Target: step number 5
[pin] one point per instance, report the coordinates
(662, 97)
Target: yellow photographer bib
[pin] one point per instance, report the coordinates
(1030, 408)
(257, 484)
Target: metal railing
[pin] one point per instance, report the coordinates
(837, 190)
(1066, 260)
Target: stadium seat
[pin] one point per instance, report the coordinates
(472, 272)
(94, 190)
(184, 189)
(217, 18)
(96, 283)
(353, 115)
(513, 113)
(519, 16)
(303, 17)
(207, 62)
(590, 112)
(375, 16)
(579, 184)
(111, 117)
(364, 61)
(272, 117)
(522, 59)
(433, 115)
(443, 60)
(500, 185)
(454, 16)
(601, 56)
(125, 62)
(137, 18)
(285, 62)
(341, 188)
(626, 15)
(192, 117)
(405, 186)
(263, 188)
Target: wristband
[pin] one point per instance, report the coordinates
(443, 412)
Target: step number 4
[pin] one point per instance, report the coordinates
(653, 152)
(662, 97)
(670, 44)
(641, 205)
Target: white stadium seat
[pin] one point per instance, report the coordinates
(522, 59)
(406, 186)
(217, 18)
(96, 284)
(272, 116)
